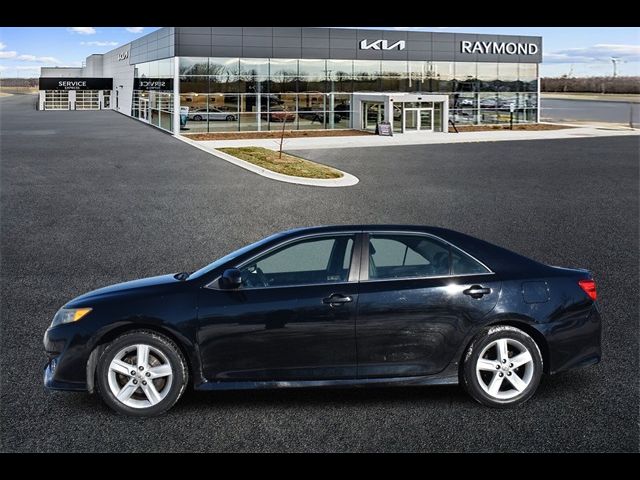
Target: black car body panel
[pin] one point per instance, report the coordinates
(400, 331)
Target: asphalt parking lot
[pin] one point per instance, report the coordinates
(93, 198)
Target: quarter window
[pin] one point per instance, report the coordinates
(463, 264)
(308, 262)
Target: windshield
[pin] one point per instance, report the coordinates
(230, 256)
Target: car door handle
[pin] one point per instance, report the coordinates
(477, 291)
(337, 299)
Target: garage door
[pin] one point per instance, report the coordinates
(56, 100)
(87, 100)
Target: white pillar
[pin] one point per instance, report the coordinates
(176, 96)
(388, 111)
(72, 99)
(331, 114)
(445, 116)
(539, 102)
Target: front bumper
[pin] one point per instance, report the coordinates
(51, 383)
(66, 365)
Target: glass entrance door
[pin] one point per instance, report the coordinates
(411, 119)
(144, 109)
(372, 114)
(426, 119)
(418, 119)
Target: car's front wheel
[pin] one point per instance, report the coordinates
(502, 367)
(141, 373)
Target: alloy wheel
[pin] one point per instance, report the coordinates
(140, 376)
(505, 368)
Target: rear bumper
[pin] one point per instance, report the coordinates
(575, 342)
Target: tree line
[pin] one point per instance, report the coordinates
(591, 84)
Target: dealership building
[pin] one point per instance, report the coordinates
(230, 79)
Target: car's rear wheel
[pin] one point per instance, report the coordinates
(230, 118)
(502, 367)
(197, 118)
(141, 373)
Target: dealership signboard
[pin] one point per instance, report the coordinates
(153, 84)
(61, 83)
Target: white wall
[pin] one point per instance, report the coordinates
(64, 72)
(122, 74)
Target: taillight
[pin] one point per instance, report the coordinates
(589, 287)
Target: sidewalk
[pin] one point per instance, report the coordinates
(420, 138)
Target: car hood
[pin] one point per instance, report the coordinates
(124, 288)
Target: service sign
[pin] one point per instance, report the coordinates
(61, 83)
(153, 84)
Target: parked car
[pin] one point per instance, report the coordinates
(199, 114)
(278, 116)
(342, 305)
(318, 116)
(489, 103)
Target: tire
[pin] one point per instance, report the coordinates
(230, 118)
(164, 360)
(494, 380)
(197, 118)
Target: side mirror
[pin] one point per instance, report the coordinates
(231, 279)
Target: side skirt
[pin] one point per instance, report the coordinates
(365, 382)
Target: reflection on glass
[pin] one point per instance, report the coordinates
(465, 77)
(508, 77)
(224, 66)
(312, 68)
(528, 77)
(393, 68)
(254, 66)
(339, 70)
(366, 68)
(487, 76)
(442, 76)
(283, 68)
(194, 66)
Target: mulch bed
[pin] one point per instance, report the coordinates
(275, 134)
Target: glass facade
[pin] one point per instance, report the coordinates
(249, 94)
(154, 106)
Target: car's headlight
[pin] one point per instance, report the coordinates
(68, 315)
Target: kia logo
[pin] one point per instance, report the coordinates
(382, 45)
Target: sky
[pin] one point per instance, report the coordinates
(579, 51)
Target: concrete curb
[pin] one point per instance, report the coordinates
(422, 139)
(347, 180)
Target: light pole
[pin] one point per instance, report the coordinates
(615, 61)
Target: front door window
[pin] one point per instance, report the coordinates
(308, 262)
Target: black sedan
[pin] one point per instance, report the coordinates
(331, 306)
